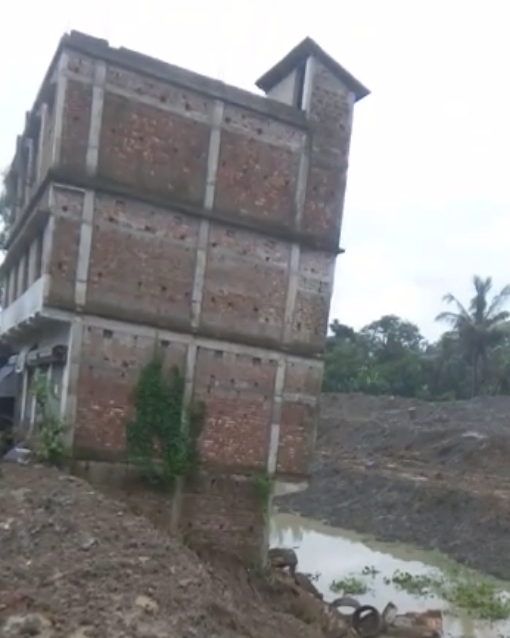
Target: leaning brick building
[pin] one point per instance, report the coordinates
(153, 206)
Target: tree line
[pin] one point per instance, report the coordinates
(391, 356)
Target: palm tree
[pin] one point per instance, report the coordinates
(479, 327)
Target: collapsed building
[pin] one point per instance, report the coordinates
(155, 206)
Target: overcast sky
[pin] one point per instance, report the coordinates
(428, 201)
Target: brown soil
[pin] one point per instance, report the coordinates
(75, 564)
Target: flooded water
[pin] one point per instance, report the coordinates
(335, 554)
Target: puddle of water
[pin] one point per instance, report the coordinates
(334, 553)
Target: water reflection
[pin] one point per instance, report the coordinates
(335, 553)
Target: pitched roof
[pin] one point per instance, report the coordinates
(304, 50)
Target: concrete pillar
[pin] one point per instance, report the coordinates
(47, 244)
(20, 276)
(203, 234)
(70, 380)
(96, 118)
(29, 168)
(12, 285)
(58, 109)
(32, 258)
(43, 118)
(84, 248)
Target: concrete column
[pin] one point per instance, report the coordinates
(43, 118)
(47, 244)
(304, 159)
(29, 145)
(300, 195)
(58, 107)
(86, 230)
(96, 117)
(12, 285)
(5, 291)
(203, 234)
(32, 258)
(276, 413)
(292, 285)
(20, 286)
(70, 379)
(20, 202)
(189, 378)
(24, 392)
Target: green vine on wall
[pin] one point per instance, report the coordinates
(162, 435)
(49, 438)
(263, 486)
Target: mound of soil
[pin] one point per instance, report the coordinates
(454, 437)
(434, 475)
(75, 564)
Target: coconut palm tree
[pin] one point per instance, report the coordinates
(479, 327)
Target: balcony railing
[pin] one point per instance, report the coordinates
(24, 308)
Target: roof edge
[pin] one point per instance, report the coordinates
(308, 48)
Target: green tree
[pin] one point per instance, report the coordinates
(390, 337)
(383, 358)
(480, 327)
(445, 370)
(346, 355)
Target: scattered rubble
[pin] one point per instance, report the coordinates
(346, 617)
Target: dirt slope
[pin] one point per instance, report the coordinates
(454, 437)
(435, 475)
(81, 566)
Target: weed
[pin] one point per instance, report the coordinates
(162, 435)
(349, 586)
(263, 486)
(49, 438)
(464, 590)
(414, 584)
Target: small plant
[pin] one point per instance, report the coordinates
(49, 438)
(162, 435)
(263, 486)
(415, 584)
(482, 599)
(349, 586)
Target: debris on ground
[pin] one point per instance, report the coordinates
(75, 564)
(346, 616)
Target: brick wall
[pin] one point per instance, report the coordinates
(245, 285)
(237, 385)
(149, 261)
(238, 391)
(223, 512)
(204, 220)
(108, 370)
(331, 113)
(142, 263)
(67, 209)
(75, 125)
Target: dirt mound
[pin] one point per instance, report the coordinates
(76, 564)
(456, 436)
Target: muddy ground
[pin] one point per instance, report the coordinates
(434, 475)
(75, 564)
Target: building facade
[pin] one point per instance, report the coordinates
(154, 206)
